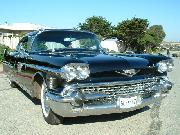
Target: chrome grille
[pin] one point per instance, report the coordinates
(122, 89)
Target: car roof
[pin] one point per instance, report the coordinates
(37, 32)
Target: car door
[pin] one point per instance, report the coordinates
(9, 64)
(22, 76)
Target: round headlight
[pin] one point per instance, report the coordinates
(78, 71)
(165, 66)
(69, 72)
(162, 67)
(82, 72)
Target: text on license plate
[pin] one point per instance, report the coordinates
(127, 102)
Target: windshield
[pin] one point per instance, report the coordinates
(65, 40)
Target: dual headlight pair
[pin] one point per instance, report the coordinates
(79, 71)
(165, 66)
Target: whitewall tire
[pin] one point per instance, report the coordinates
(49, 116)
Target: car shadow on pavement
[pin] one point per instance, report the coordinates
(103, 118)
(34, 100)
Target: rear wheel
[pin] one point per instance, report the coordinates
(49, 116)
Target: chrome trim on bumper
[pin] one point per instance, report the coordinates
(73, 105)
(67, 110)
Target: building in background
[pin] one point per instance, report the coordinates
(174, 46)
(10, 34)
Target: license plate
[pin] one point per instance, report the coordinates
(127, 102)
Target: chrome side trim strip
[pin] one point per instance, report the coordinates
(43, 68)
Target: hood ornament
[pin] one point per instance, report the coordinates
(128, 72)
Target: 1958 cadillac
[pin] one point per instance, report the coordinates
(72, 76)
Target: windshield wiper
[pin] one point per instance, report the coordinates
(43, 51)
(63, 49)
(74, 50)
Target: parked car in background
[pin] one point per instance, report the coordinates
(111, 45)
(72, 76)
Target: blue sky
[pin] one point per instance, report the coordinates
(69, 13)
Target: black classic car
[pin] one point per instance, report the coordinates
(68, 71)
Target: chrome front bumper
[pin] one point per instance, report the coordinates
(73, 105)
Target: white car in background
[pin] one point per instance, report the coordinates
(110, 44)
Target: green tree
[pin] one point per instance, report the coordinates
(157, 32)
(2, 49)
(152, 38)
(146, 42)
(97, 25)
(130, 31)
(133, 33)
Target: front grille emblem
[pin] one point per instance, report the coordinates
(128, 72)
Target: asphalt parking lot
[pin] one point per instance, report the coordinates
(20, 116)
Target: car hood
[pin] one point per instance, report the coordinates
(97, 62)
(152, 58)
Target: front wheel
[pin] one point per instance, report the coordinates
(49, 116)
